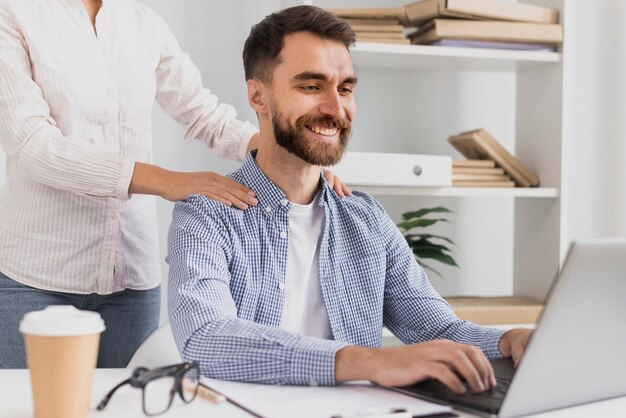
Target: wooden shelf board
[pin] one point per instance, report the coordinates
(396, 56)
(530, 192)
(498, 310)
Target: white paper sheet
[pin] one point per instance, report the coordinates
(354, 399)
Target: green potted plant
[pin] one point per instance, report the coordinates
(425, 245)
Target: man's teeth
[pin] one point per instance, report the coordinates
(324, 131)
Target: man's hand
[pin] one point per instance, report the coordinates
(443, 360)
(513, 343)
(173, 186)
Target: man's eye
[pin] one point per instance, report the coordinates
(345, 90)
(310, 88)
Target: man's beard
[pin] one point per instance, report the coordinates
(292, 139)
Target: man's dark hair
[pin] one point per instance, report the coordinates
(266, 39)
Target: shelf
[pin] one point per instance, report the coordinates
(503, 310)
(436, 57)
(538, 192)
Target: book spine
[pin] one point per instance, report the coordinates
(497, 31)
(530, 177)
(500, 10)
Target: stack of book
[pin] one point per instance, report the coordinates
(479, 173)
(480, 145)
(484, 24)
(381, 25)
(497, 24)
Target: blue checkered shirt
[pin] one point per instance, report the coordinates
(227, 275)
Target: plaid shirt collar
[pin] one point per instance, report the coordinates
(266, 191)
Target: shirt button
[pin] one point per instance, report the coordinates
(268, 209)
(283, 234)
(284, 202)
(281, 286)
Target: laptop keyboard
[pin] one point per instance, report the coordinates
(488, 401)
(493, 393)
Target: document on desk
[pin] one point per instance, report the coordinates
(354, 399)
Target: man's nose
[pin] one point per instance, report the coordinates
(332, 105)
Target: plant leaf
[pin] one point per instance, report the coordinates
(427, 237)
(425, 211)
(418, 223)
(427, 245)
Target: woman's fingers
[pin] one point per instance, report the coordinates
(222, 189)
(236, 193)
(335, 182)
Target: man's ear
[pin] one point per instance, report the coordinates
(258, 96)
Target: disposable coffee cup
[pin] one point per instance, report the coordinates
(61, 352)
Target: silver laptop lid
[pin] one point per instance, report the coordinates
(577, 353)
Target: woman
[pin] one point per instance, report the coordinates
(78, 225)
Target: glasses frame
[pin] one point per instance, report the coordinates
(142, 376)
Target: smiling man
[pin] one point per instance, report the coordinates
(297, 289)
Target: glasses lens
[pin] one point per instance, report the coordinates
(190, 384)
(157, 395)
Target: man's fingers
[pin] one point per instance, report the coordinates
(445, 375)
(483, 365)
(470, 363)
(462, 364)
(518, 342)
(517, 354)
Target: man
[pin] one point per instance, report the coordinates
(297, 289)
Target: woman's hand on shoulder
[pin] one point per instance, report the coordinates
(212, 185)
(335, 182)
(174, 186)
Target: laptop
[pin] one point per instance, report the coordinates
(576, 354)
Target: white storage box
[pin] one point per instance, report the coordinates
(381, 169)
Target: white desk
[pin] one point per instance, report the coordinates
(15, 401)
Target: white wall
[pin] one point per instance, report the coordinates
(596, 125)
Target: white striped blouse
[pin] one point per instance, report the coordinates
(75, 116)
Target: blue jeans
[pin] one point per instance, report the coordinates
(129, 316)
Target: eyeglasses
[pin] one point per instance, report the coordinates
(159, 386)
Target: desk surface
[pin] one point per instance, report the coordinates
(15, 401)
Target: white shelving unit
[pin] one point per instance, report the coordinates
(541, 192)
(526, 223)
(420, 57)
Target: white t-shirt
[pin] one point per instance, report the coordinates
(305, 312)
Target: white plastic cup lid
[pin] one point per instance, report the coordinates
(61, 320)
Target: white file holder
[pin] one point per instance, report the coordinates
(382, 169)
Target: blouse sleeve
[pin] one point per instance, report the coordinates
(181, 94)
